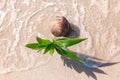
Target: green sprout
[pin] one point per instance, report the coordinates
(59, 44)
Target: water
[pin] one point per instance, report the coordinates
(94, 63)
(22, 20)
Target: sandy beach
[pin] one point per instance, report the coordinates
(22, 20)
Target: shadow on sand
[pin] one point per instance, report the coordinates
(80, 67)
(74, 31)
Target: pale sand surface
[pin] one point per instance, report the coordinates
(55, 70)
(22, 20)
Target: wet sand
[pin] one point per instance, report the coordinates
(22, 21)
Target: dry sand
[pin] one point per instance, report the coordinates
(22, 20)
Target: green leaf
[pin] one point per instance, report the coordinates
(49, 48)
(43, 41)
(35, 46)
(67, 54)
(57, 45)
(66, 42)
(38, 39)
(52, 50)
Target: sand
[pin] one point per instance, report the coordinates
(22, 20)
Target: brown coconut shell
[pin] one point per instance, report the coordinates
(60, 26)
